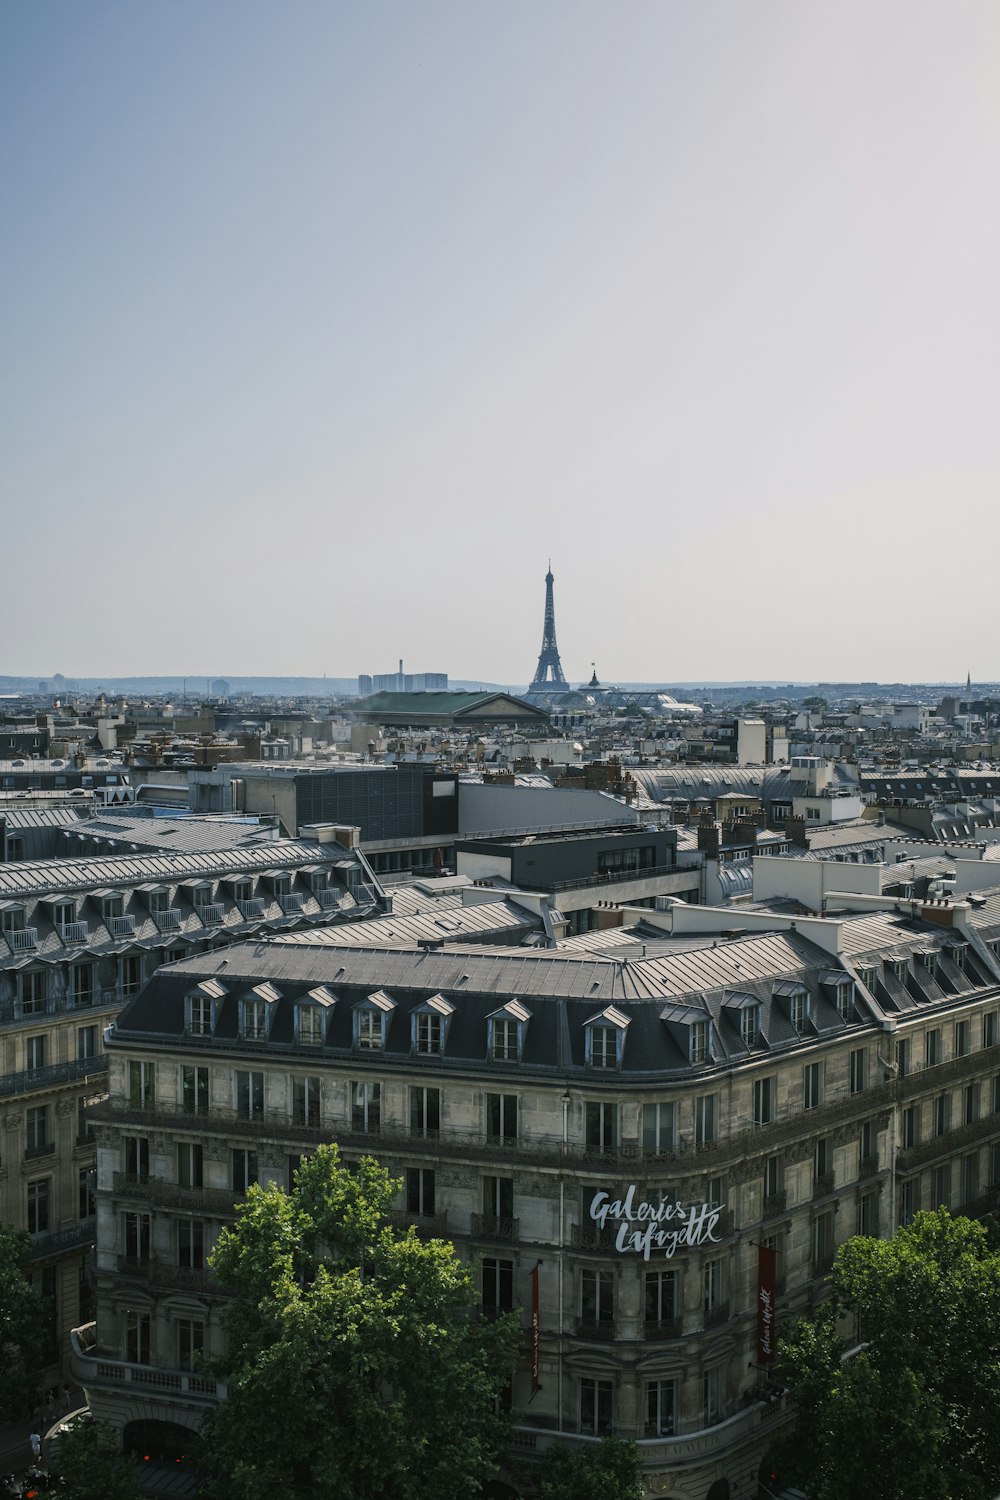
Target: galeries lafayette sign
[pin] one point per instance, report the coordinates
(665, 1226)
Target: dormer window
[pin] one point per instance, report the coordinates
(605, 1038)
(867, 977)
(844, 992)
(112, 905)
(63, 912)
(506, 1032)
(796, 998)
(201, 1008)
(927, 959)
(201, 895)
(430, 1025)
(958, 952)
(12, 919)
(311, 1015)
(281, 885)
(895, 967)
(749, 1024)
(371, 1018)
(257, 1011)
(698, 1042)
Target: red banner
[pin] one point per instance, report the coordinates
(534, 1331)
(766, 1265)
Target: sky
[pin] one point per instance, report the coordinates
(323, 326)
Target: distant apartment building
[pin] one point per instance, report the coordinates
(78, 938)
(402, 682)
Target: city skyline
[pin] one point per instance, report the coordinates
(327, 326)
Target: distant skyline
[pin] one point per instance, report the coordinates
(326, 325)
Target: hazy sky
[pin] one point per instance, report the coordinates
(322, 326)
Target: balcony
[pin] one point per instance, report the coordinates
(38, 1149)
(22, 939)
(211, 1202)
(774, 1203)
(823, 1184)
(659, 1330)
(489, 1227)
(185, 1278)
(93, 1366)
(33, 1079)
(167, 920)
(428, 1226)
(73, 932)
(598, 1330)
(944, 1145)
(591, 1236)
(62, 1241)
(869, 1167)
(716, 1316)
(253, 910)
(121, 927)
(212, 914)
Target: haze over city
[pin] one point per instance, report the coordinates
(326, 326)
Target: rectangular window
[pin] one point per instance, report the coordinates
(498, 1199)
(244, 1168)
(428, 1034)
(990, 1032)
(505, 1039)
(597, 1301)
(601, 1126)
(823, 1164)
(704, 1119)
(425, 1112)
(190, 1342)
(36, 1053)
(305, 1102)
(845, 1001)
(660, 1301)
(137, 1337)
(595, 1407)
(370, 1029)
(970, 1102)
(657, 1127)
(420, 1191)
(81, 985)
(970, 1177)
(941, 1187)
(711, 1286)
(812, 1095)
(962, 1038)
(255, 1015)
(312, 1025)
(32, 986)
(498, 1286)
(772, 1182)
(749, 1025)
(823, 1240)
(942, 1113)
(868, 1214)
(866, 1145)
(713, 1397)
(37, 1139)
(130, 974)
(136, 1229)
(142, 1084)
(86, 1042)
(908, 1199)
(603, 1042)
(191, 1243)
(699, 1042)
(199, 1015)
(763, 1101)
(909, 1130)
(798, 1010)
(190, 1164)
(366, 1108)
(249, 1095)
(137, 1158)
(903, 1056)
(501, 1117)
(932, 1047)
(661, 1405)
(39, 1193)
(194, 1090)
(859, 1070)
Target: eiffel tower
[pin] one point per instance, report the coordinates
(548, 676)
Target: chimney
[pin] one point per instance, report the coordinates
(796, 831)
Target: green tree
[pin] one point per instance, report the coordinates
(894, 1382)
(21, 1315)
(93, 1466)
(608, 1470)
(357, 1362)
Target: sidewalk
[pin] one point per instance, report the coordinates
(15, 1450)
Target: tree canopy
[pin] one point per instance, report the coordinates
(894, 1381)
(21, 1314)
(93, 1466)
(357, 1362)
(608, 1470)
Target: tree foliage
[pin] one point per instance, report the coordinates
(608, 1470)
(21, 1315)
(357, 1363)
(93, 1466)
(894, 1382)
